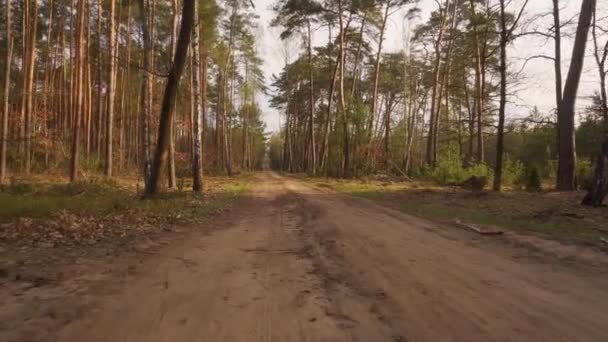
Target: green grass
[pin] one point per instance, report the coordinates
(91, 198)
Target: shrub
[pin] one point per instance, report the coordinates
(93, 187)
(17, 187)
(91, 165)
(451, 171)
(513, 172)
(584, 173)
(532, 180)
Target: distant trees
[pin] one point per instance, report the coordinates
(453, 82)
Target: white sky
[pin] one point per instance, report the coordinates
(536, 87)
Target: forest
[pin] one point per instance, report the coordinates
(439, 108)
(85, 85)
(303, 170)
(85, 82)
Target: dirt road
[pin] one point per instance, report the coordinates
(297, 263)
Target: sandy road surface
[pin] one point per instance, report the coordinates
(303, 264)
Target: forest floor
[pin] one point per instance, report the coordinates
(298, 261)
(553, 215)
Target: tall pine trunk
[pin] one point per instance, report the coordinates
(437, 89)
(197, 122)
(342, 101)
(146, 93)
(503, 99)
(29, 84)
(313, 145)
(566, 169)
(7, 85)
(111, 91)
(78, 86)
(160, 155)
(174, 31)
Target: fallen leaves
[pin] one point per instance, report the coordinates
(66, 228)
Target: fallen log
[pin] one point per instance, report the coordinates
(479, 229)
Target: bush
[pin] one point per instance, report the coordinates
(91, 187)
(513, 171)
(91, 165)
(584, 173)
(532, 180)
(451, 171)
(19, 188)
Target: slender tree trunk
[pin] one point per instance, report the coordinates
(503, 99)
(342, 102)
(197, 123)
(313, 147)
(29, 82)
(387, 129)
(80, 51)
(25, 22)
(479, 86)
(557, 63)
(46, 108)
(146, 96)
(7, 86)
(598, 189)
(174, 32)
(328, 119)
(100, 63)
(504, 40)
(123, 108)
(358, 55)
(111, 91)
(437, 88)
(166, 113)
(377, 68)
(566, 169)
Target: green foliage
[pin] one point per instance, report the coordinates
(275, 151)
(96, 186)
(18, 188)
(513, 172)
(101, 197)
(589, 137)
(91, 165)
(584, 173)
(450, 170)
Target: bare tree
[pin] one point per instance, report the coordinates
(505, 36)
